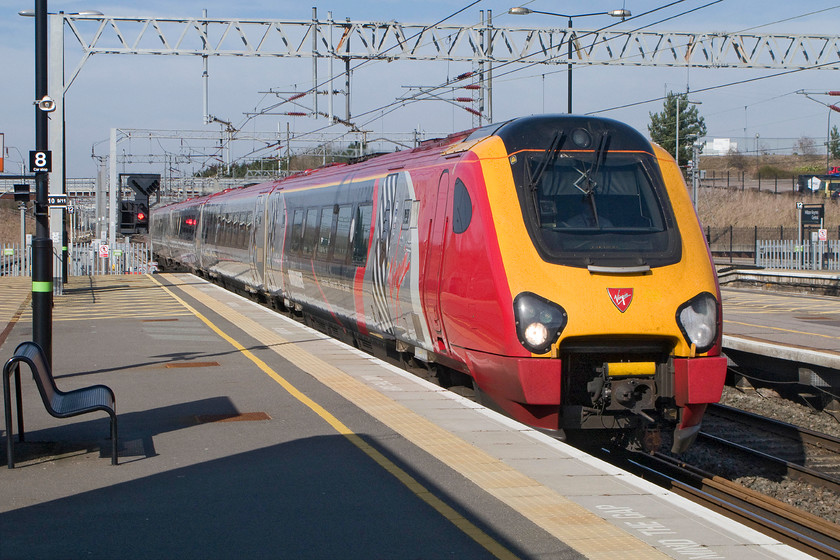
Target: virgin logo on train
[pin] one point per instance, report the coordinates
(621, 297)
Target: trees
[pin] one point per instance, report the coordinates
(834, 142)
(663, 126)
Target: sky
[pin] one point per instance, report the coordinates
(166, 92)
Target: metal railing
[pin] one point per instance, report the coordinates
(15, 261)
(793, 255)
(83, 259)
(123, 258)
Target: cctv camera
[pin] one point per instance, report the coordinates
(46, 104)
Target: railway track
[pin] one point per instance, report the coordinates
(805, 532)
(767, 448)
(795, 452)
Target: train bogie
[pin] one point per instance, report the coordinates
(556, 261)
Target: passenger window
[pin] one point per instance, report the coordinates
(310, 235)
(325, 233)
(361, 233)
(296, 232)
(406, 209)
(342, 232)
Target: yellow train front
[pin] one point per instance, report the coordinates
(577, 285)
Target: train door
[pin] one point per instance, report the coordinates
(434, 259)
(381, 253)
(258, 243)
(275, 224)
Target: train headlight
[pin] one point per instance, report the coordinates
(697, 319)
(539, 322)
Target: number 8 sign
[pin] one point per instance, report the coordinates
(40, 161)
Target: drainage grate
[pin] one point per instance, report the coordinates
(238, 417)
(191, 364)
(158, 320)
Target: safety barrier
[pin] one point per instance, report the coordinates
(793, 255)
(83, 259)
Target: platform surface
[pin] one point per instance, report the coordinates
(245, 434)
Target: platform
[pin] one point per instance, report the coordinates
(784, 337)
(245, 434)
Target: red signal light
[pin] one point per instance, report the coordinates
(141, 216)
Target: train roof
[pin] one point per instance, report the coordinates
(519, 133)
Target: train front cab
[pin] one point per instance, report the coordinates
(614, 303)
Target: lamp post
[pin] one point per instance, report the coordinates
(677, 138)
(56, 217)
(42, 244)
(520, 11)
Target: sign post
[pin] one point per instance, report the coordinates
(811, 216)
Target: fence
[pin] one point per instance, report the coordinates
(741, 241)
(84, 259)
(14, 261)
(818, 255)
(123, 258)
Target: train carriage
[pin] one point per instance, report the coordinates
(555, 261)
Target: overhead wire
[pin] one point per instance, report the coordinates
(397, 104)
(315, 87)
(392, 106)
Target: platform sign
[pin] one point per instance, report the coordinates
(104, 252)
(40, 161)
(812, 214)
(57, 200)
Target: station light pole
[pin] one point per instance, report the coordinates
(42, 273)
(520, 11)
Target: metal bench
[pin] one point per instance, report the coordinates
(58, 403)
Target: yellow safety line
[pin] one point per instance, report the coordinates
(779, 329)
(479, 536)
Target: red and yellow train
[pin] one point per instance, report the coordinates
(556, 261)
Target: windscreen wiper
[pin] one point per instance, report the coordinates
(534, 181)
(550, 155)
(586, 175)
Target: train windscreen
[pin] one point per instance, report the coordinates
(593, 195)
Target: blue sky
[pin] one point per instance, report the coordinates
(154, 92)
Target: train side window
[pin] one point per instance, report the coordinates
(461, 208)
(342, 232)
(296, 232)
(361, 233)
(310, 234)
(406, 211)
(322, 250)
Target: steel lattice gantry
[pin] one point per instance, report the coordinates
(482, 44)
(399, 41)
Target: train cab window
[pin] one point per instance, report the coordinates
(592, 193)
(342, 232)
(310, 234)
(461, 208)
(296, 232)
(361, 233)
(325, 233)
